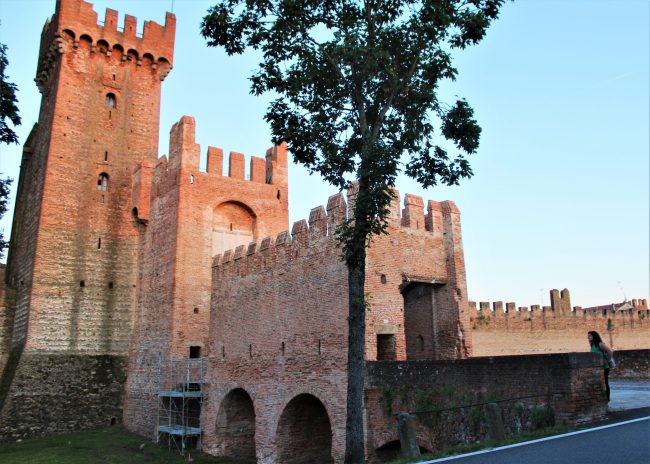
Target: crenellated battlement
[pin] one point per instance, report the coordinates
(182, 166)
(75, 27)
(560, 308)
(500, 328)
(323, 221)
(184, 153)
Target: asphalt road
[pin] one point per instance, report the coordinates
(625, 443)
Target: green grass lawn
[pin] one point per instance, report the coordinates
(113, 445)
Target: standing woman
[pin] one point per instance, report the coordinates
(598, 346)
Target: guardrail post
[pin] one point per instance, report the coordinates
(407, 438)
(496, 430)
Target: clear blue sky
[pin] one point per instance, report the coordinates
(561, 88)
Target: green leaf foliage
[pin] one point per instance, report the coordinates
(4, 198)
(8, 101)
(356, 85)
(356, 100)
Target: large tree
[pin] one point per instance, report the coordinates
(356, 85)
(8, 110)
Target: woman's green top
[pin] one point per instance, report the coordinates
(596, 349)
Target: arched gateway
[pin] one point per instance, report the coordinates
(304, 433)
(235, 433)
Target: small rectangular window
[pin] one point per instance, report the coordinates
(195, 351)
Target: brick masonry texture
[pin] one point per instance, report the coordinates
(191, 215)
(122, 263)
(57, 393)
(568, 386)
(278, 331)
(74, 246)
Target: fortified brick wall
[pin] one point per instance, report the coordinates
(278, 330)
(186, 215)
(559, 328)
(418, 265)
(7, 304)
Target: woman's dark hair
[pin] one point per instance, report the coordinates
(595, 338)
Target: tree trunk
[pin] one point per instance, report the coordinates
(356, 262)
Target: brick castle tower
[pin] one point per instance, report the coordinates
(72, 268)
(190, 216)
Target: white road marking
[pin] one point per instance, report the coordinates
(524, 443)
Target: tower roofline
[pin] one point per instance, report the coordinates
(77, 18)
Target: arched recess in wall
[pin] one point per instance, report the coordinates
(147, 60)
(235, 427)
(85, 42)
(103, 47)
(163, 66)
(132, 55)
(392, 451)
(68, 35)
(117, 52)
(233, 224)
(110, 101)
(304, 432)
(102, 182)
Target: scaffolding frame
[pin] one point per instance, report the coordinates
(179, 404)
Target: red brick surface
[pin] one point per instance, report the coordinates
(193, 214)
(73, 257)
(77, 139)
(112, 254)
(279, 309)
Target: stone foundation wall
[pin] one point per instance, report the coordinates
(57, 393)
(448, 398)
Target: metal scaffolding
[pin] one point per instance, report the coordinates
(179, 404)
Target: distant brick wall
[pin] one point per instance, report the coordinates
(571, 385)
(508, 329)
